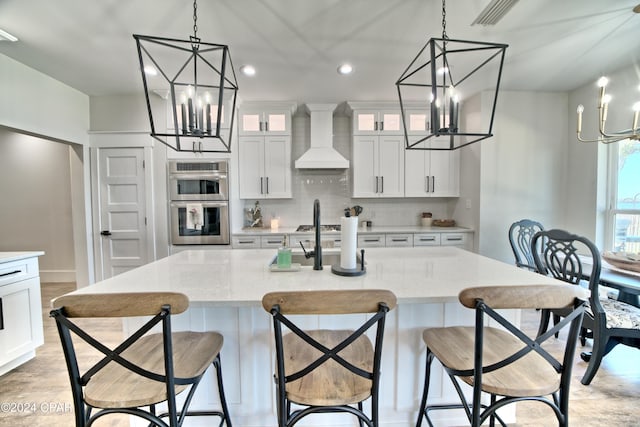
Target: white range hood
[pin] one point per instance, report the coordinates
(321, 154)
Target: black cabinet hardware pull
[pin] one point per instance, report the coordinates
(10, 273)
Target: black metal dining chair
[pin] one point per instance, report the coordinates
(610, 322)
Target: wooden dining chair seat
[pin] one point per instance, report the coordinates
(144, 369)
(330, 383)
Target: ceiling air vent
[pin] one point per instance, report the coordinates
(494, 12)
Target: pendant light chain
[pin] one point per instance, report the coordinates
(444, 20)
(195, 19)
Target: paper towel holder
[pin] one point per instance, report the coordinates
(350, 272)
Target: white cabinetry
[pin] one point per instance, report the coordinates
(378, 166)
(377, 150)
(398, 240)
(426, 239)
(255, 242)
(432, 173)
(20, 311)
(371, 240)
(265, 119)
(264, 151)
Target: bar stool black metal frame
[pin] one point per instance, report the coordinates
(323, 305)
(139, 340)
(476, 411)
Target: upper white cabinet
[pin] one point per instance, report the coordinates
(377, 122)
(264, 151)
(378, 166)
(432, 173)
(265, 120)
(377, 150)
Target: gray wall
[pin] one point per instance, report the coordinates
(521, 170)
(35, 213)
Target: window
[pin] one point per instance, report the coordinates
(624, 211)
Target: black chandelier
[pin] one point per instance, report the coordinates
(444, 72)
(199, 82)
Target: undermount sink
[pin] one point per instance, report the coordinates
(328, 258)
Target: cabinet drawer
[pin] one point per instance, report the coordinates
(426, 239)
(371, 241)
(272, 241)
(14, 271)
(451, 239)
(245, 242)
(398, 240)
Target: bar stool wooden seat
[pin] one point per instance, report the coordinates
(327, 370)
(504, 363)
(145, 369)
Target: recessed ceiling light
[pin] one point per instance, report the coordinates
(248, 70)
(150, 71)
(345, 69)
(6, 36)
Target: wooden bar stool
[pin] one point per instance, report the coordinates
(327, 370)
(145, 369)
(504, 363)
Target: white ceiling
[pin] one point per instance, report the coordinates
(296, 45)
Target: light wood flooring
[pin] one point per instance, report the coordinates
(612, 399)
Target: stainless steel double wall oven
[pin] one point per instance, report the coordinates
(199, 201)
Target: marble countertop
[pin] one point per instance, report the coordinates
(15, 256)
(238, 277)
(369, 230)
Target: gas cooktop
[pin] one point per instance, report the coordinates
(330, 227)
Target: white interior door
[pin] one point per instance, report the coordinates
(123, 230)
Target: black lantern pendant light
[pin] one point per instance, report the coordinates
(199, 82)
(444, 72)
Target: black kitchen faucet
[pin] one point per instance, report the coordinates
(316, 253)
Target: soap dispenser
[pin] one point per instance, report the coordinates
(284, 254)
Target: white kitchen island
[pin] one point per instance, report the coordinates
(226, 287)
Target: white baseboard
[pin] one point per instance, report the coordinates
(57, 276)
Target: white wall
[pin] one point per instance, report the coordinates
(36, 210)
(34, 103)
(523, 167)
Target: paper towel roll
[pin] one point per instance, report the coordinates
(348, 241)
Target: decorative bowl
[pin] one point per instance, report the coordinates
(444, 222)
(623, 260)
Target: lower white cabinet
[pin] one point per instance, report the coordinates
(398, 240)
(308, 240)
(20, 312)
(257, 242)
(426, 239)
(454, 239)
(372, 240)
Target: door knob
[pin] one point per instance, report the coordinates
(105, 233)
